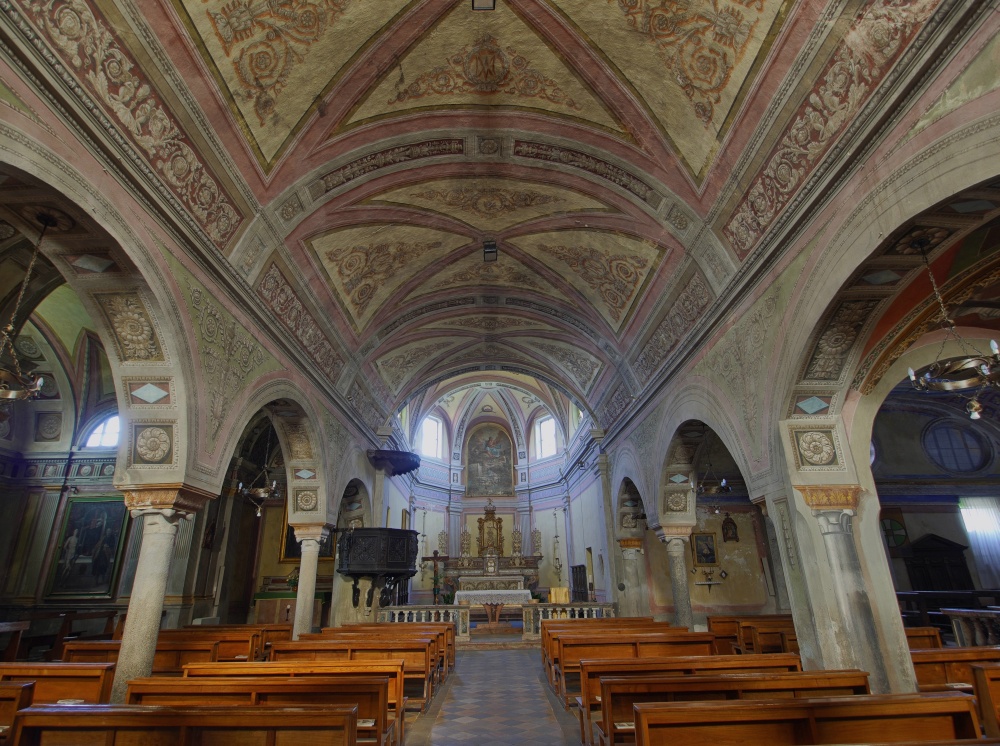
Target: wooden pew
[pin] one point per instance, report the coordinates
(168, 660)
(551, 633)
(381, 632)
(764, 636)
(549, 626)
(726, 628)
(418, 665)
(571, 649)
(840, 720)
(369, 694)
(15, 630)
(986, 680)
(392, 670)
(923, 638)
(592, 670)
(14, 696)
(100, 725)
(269, 633)
(950, 668)
(56, 627)
(620, 693)
(447, 628)
(90, 682)
(234, 643)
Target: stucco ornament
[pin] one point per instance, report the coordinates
(677, 502)
(152, 444)
(816, 448)
(134, 334)
(306, 500)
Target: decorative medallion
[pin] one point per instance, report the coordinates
(677, 502)
(48, 426)
(133, 332)
(817, 447)
(108, 470)
(85, 470)
(306, 500)
(26, 345)
(152, 444)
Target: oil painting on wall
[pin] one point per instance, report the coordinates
(490, 462)
(89, 547)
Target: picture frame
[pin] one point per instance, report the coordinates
(704, 549)
(291, 550)
(87, 558)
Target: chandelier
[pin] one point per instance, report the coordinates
(15, 385)
(258, 491)
(974, 371)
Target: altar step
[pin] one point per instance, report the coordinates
(497, 642)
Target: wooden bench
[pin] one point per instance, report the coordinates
(764, 636)
(56, 627)
(392, 670)
(418, 665)
(448, 628)
(619, 694)
(841, 720)
(381, 632)
(923, 638)
(592, 670)
(234, 643)
(14, 696)
(550, 629)
(726, 628)
(168, 660)
(950, 668)
(551, 635)
(269, 633)
(15, 630)
(105, 725)
(571, 649)
(90, 682)
(369, 694)
(986, 680)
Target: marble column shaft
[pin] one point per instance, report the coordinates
(142, 625)
(684, 616)
(632, 594)
(309, 538)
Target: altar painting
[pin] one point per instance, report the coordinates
(89, 548)
(490, 462)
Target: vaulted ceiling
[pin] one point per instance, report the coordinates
(629, 157)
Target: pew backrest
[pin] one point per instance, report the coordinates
(234, 643)
(98, 725)
(169, 658)
(947, 667)
(90, 682)
(923, 638)
(14, 696)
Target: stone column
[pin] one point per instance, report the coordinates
(834, 507)
(676, 547)
(781, 600)
(632, 595)
(161, 509)
(309, 537)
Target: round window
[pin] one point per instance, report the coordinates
(955, 448)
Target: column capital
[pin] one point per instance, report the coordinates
(666, 533)
(830, 496)
(630, 543)
(315, 531)
(179, 497)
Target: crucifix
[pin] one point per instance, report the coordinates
(436, 557)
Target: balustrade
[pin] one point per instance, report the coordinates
(974, 627)
(457, 615)
(532, 615)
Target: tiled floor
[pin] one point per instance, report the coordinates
(495, 698)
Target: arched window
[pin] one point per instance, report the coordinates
(105, 435)
(955, 449)
(545, 437)
(432, 437)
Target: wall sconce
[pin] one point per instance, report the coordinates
(489, 250)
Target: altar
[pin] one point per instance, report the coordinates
(490, 569)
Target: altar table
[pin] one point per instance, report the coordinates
(493, 601)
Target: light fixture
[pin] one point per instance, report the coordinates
(484, 4)
(258, 494)
(15, 385)
(489, 250)
(973, 370)
(712, 485)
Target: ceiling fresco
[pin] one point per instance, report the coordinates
(265, 56)
(494, 60)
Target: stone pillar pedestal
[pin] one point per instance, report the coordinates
(309, 537)
(632, 595)
(161, 510)
(676, 548)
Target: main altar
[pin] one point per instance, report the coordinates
(490, 569)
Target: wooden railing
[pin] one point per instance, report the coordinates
(974, 627)
(533, 615)
(457, 615)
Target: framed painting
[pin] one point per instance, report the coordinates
(703, 549)
(90, 544)
(291, 550)
(490, 462)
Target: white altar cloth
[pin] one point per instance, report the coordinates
(476, 598)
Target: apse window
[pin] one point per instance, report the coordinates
(545, 438)
(432, 438)
(954, 449)
(105, 435)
